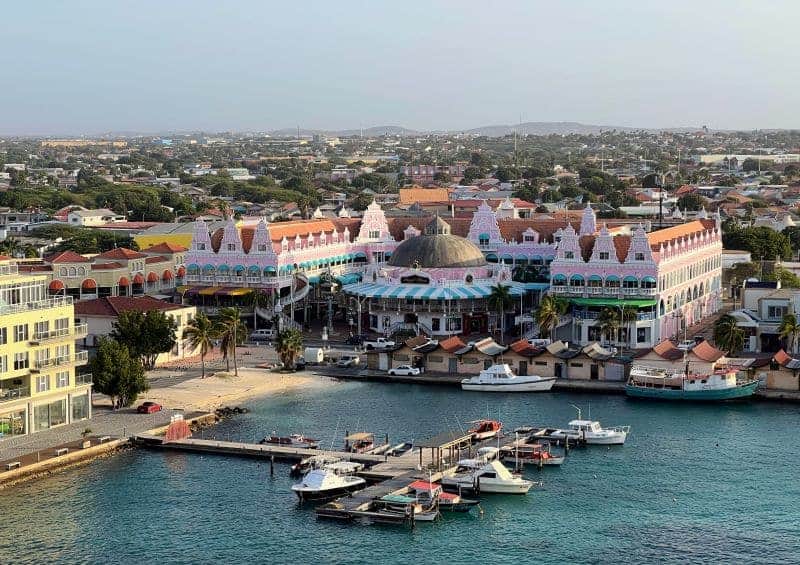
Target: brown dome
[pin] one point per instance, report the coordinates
(437, 251)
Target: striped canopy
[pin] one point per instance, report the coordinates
(377, 290)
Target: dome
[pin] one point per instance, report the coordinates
(437, 251)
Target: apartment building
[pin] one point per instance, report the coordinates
(40, 383)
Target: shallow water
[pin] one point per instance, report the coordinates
(694, 484)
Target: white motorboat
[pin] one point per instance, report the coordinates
(330, 481)
(592, 432)
(294, 440)
(481, 477)
(500, 378)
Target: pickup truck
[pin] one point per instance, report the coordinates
(378, 343)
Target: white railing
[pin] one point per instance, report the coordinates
(78, 358)
(77, 331)
(615, 292)
(6, 270)
(38, 305)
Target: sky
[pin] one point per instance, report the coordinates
(86, 67)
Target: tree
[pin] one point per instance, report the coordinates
(500, 300)
(231, 331)
(692, 202)
(609, 322)
(117, 373)
(146, 335)
(790, 329)
(258, 299)
(288, 345)
(201, 334)
(471, 174)
(762, 242)
(442, 178)
(549, 314)
(728, 335)
(629, 315)
(505, 174)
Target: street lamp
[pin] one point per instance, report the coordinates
(679, 315)
(278, 312)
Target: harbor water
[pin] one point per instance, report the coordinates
(693, 484)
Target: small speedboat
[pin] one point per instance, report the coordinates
(591, 432)
(408, 506)
(485, 429)
(314, 462)
(294, 440)
(329, 482)
(537, 454)
(429, 493)
(359, 442)
(477, 476)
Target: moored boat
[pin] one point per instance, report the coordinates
(485, 429)
(428, 492)
(523, 453)
(409, 506)
(294, 440)
(330, 481)
(664, 384)
(500, 378)
(359, 442)
(478, 476)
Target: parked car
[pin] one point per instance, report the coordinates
(404, 370)
(686, 345)
(348, 361)
(149, 408)
(262, 335)
(379, 343)
(300, 364)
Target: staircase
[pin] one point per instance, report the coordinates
(417, 327)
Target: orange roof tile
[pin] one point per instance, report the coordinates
(666, 235)
(419, 194)
(707, 352)
(122, 253)
(667, 350)
(452, 344)
(67, 257)
(165, 247)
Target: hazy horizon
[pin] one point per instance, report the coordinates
(89, 67)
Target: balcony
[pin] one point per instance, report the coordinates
(78, 331)
(84, 379)
(598, 291)
(7, 270)
(39, 305)
(79, 358)
(12, 394)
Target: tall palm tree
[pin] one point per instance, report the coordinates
(500, 300)
(549, 314)
(628, 318)
(201, 334)
(727, 335)
(609, 321)
(258, 299)
(790, 328)
(288, 345)
(231, 332)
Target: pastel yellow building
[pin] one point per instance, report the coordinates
(40, 387)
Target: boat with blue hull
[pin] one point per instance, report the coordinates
(665, 384)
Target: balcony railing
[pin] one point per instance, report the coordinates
(76, 332)
(12, 394)
(588, 292)
(6, 270)
(38, 305)
(84, 379)
(78, 358)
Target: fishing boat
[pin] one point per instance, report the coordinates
(294, 440)
(485, 429)
(591, 432)
(666, 384)
(428, 492)
(408, 506)
(359, 442)
(500, 378)
(330, 481)
(523, 453)
(477, 476)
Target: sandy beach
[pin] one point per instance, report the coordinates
(225, 389)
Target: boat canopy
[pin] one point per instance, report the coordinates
(360, 436)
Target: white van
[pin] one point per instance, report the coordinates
(263, 335)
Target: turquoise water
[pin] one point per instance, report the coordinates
(694, 484)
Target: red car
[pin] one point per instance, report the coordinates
(148, 408)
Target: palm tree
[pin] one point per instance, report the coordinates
(628, 315)
(201, 334)
(609, 322)
(288, 345)
(258, 299)
(790, 328)
(500, 299)
(549, 314)
(728, 335)
(231, 332)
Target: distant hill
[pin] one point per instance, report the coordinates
(548, 128)
(368, 132)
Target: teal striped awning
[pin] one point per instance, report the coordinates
(424, 292)
(348, 278)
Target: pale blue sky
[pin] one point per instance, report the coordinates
(84, 67)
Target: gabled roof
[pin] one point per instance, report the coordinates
(121, 253)
(156, 259)
(107, 266)
(597, 352)
(562, 350)
(112, 306)
(165, 247)
(667, 350)
(488, 346)
(524, 348)
(673, 233)
(67, 257)
(452, 344)
(707, 352)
